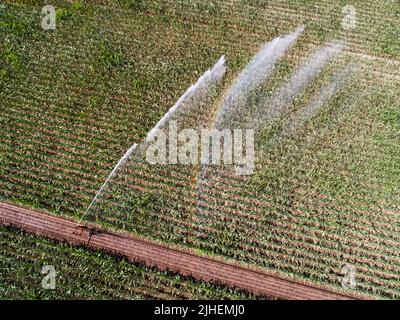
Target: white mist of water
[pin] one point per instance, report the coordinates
(120, 164)
(206, 81)
(253, 75)
(275, 106)
(213, 75)
(299, 119)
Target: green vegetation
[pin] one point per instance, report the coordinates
(72, 102)
(85, 274)
(134, 5)
(11, 61)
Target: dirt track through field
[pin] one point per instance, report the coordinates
(163, 257)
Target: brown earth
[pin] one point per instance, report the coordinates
(163, 257)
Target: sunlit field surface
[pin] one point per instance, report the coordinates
(324, 193)
(85, 274)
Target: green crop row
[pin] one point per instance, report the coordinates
(74, 99)
(85, 274)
